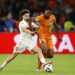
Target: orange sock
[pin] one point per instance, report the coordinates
(39, 64)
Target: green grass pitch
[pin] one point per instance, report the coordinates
(26, 65)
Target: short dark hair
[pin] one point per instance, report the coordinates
(24, 11)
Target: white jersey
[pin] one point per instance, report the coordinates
(24, 25)
(25, 39)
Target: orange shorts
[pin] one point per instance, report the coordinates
(49, 44)
(47, 39)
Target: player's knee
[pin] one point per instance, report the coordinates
(50, 56)
(37, 49)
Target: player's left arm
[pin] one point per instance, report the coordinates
(35, 26)
(57, 28)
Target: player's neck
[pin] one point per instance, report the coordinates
(26, 20)
(46, 17)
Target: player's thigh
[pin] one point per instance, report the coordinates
(19, 48)
(37, 49)
(42, 42)
(49, 44)
(50, 50)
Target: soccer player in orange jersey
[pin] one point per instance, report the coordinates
(46, 21)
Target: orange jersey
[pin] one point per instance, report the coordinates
(44, 29)
(45, 24)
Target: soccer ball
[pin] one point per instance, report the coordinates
(48, 68)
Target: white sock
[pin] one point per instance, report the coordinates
(43, 61)
(4, 64)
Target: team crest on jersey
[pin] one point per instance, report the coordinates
(50, 22)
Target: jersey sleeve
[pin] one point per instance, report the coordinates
(38, 18)
(22, 25)
(53, 18)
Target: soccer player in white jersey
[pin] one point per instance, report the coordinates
(25, 40)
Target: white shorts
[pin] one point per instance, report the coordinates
(26, 44)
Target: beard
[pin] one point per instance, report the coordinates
(27, 19)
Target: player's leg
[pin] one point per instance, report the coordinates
(43, 47)
(44, 51)
(9, 59)
(50, 51)
(39, 64)
(42, 41)
(47, 49)
(40, 55)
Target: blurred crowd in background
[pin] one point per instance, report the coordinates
(64, 10)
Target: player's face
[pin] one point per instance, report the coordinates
(26, 16)
(47, 15)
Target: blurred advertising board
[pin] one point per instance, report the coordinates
(66, 46)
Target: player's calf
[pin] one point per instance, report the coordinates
(50, 53)
(9, 59)
(40, 55)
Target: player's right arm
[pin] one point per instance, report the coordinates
(24, 28)
(27, 31)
